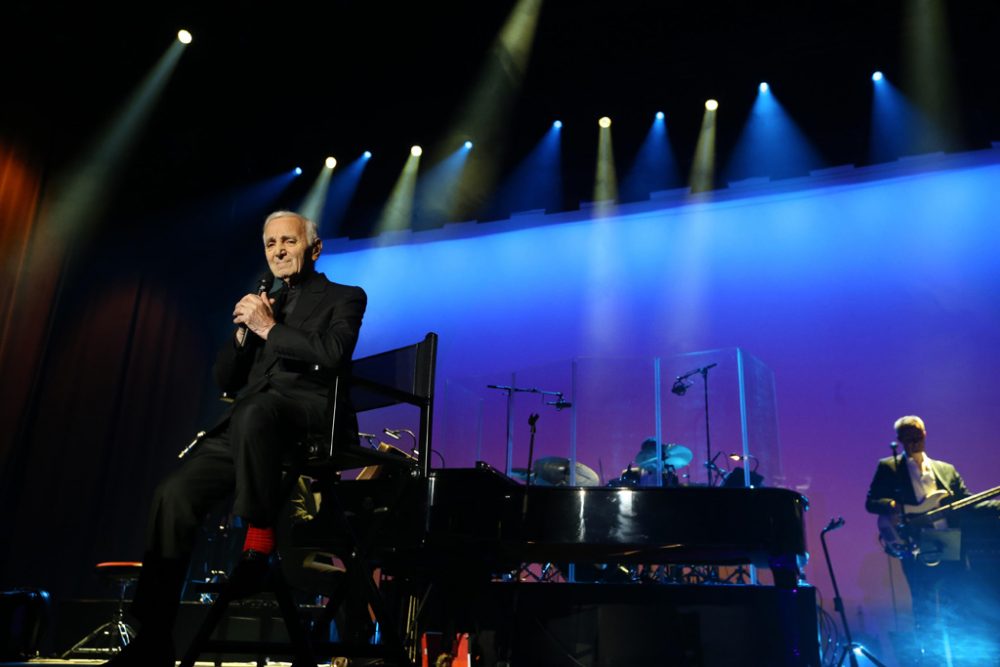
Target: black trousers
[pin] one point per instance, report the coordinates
(243, 459)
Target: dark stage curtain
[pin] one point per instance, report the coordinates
(105, 378)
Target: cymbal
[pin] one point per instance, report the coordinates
(554, 471)
(520, 474)
(677, 456)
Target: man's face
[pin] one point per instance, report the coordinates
(287, 248)
(914, 439)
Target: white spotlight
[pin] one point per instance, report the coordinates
(416, 151)
(183, 36)
(604, 122)
(711, 105)
(331, 162)
(763, 87)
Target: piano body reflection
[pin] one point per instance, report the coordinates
(481, 523)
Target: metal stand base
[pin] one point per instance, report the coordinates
(852, 650)
(107, 640)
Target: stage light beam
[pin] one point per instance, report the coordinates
(81, 193)
(537, 180)
(703, 165)
(770, 144)
(876, 76)
(557, 124)
(343, 186)
(485, 112)
(929, 73)
(434, 199)
(397, 213)
(653, 168)
(763, 87)
(184, 37)
(605, 177)
(315, 200)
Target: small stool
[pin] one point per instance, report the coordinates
(111, 637)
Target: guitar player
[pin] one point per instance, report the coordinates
(910, 479)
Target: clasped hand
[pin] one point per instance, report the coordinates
(254, 310)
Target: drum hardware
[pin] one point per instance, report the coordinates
(554, 471)
(629, 478)
(674, 455)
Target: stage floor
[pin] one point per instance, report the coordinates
(46, 662)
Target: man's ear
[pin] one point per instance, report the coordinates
(317, 249)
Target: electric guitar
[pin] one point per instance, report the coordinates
(899, 532)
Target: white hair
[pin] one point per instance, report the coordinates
(312, 230)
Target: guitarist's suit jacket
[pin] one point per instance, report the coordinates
(893, 483)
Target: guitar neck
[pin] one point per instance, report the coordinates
(965, 502)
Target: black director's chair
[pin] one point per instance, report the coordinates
(404, 375)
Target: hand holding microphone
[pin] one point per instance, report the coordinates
(254, 312)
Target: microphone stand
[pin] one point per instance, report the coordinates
(851, 648)
(510, 390)
(679, 388)
(904, 530)
(532, 420)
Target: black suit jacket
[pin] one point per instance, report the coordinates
(893, 483)
(307, 357)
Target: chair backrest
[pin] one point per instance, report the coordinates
(403, 375)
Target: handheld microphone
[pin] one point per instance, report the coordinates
(264, 284)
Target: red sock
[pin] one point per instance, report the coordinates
(259, 539)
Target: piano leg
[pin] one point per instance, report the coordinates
(785, 572)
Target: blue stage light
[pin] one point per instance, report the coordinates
(298, 171)
(876, 76)
(763, 87)
(367, 155)
(468, 145)
(557, 124)
(659, 115)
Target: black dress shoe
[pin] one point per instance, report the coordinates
(149, 649)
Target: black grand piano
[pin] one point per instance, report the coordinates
(461, 537)
(457, 539)
(480, 516)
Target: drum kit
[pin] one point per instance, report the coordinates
(555, 470)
